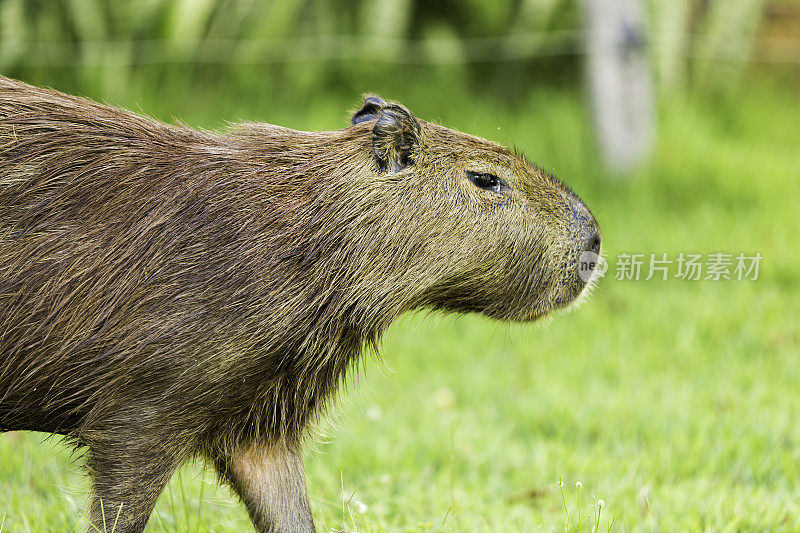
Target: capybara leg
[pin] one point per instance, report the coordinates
(271, 482)
(126, 485)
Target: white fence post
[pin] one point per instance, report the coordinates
(620, 82)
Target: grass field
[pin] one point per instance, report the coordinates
(675, 402)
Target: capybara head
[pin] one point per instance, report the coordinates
(481, 228)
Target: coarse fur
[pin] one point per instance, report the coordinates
(167, 293)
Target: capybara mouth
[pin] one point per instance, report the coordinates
(562, 293)
(590, 267)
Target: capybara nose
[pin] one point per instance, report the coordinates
(585, 229)
(587, 241)
(589, 258)
(592, 243)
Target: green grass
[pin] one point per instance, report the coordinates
(675, 402)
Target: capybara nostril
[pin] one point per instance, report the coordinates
(593, 243)
(584, 228)
(590, 264)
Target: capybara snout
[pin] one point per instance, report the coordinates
(167, 293)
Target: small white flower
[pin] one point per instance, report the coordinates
(578, 484)
(601, 503)
(560, 483)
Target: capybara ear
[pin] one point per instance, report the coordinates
(372, 107)
(396, 138)
(395, 134)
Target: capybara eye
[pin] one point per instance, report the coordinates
(487, 181)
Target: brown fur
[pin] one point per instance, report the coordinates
(167, 293)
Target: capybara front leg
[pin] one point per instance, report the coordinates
(271, 482)
(126, 485)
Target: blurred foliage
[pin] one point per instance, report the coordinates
(305, 43)
(300, 46)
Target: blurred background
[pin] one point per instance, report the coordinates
(672, 402)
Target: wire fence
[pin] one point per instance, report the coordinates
(344, 48)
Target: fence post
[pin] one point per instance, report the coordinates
(619, 82)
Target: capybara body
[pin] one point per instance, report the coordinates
(167, 293)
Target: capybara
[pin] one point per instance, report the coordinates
(167, 293)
